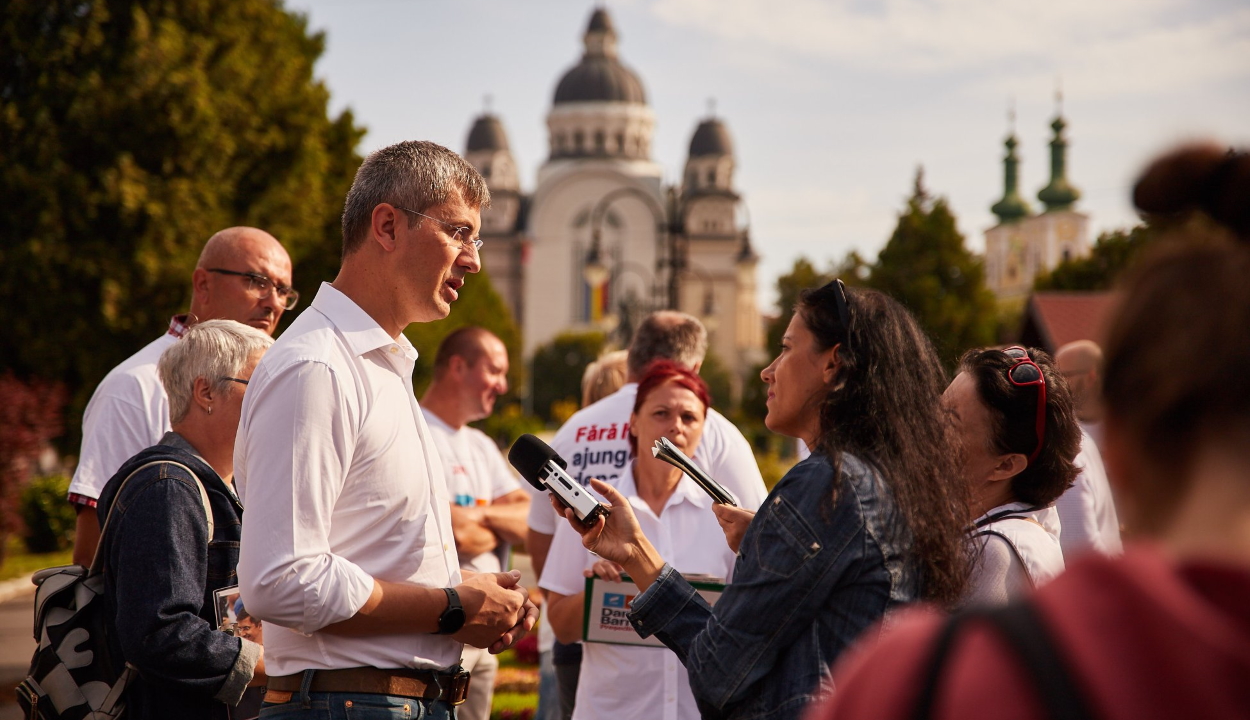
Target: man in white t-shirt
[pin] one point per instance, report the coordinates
(488, 507)
(243, 274)
(595, 443)
(1080, 363)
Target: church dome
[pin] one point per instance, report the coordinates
(600, 76)
(487, 134)
(711, 138)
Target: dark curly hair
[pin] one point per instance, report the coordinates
(885, 408)
(1013, 422)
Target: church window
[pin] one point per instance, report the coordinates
(579, 141)
(600, 142)
(620, 143)
(711, 177)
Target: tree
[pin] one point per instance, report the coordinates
(130, 131)
(925, 266)
(557, 370)
(30, 416)
(1112, 253)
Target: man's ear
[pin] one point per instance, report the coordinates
(457, 365)
(199, 284)
(383, 224)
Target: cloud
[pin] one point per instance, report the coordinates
(1126, 46)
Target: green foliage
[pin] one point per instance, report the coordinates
(802, 276)
(508, 423)
(719, 383)
(48, 518)
(1112, 253)
(479, 305)
(131, 131)
(926, 267)
(557, 369)
(18, 563)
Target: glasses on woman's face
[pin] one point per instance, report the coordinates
(460, 233)
(1024, 373)
(261, 287)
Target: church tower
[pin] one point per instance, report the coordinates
(598, 224)
(718, 270)
(487, 150)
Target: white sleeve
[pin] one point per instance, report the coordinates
(1078, 518)
(296, 438)
(731, 463)
(114, 429)
(567, 561)
(998, 577)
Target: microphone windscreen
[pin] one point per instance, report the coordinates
(529, 456)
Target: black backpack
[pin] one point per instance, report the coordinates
(73, 675)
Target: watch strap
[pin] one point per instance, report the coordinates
(453, 617)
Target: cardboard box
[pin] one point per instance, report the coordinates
(607, 607)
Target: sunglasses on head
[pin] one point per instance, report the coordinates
(1023, 373)
(844, 312)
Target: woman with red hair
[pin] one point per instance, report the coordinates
(621, 681)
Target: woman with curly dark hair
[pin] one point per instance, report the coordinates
(872, 520)
(1015, 416)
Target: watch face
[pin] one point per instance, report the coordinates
(452, 620)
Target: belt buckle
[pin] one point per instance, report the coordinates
(458, 687)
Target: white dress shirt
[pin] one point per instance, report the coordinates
(595, 443)
(128, 412)
(476, 477)
(1087, 509)
(342, 485)
(623, 681)
(1019, 551)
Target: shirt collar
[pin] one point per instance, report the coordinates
(687, 491)
(362, 333)
(178, 325)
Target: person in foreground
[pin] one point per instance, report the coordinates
(348, 555)
(872, 520)
(1163, 631)
(161, 567)
(619, 681)
(1019, 436)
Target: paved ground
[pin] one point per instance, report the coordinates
(16, 647)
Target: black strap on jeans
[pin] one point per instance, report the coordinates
(1020, 625)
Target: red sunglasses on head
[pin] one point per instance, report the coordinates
(1023, 373)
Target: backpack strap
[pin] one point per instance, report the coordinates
(1014, 551)
(97, 558)
(1022, 628)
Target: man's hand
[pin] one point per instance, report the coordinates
(496, 606)
(734, 521)
(473, 535)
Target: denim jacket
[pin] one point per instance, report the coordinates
(812, 574)
(160, 574)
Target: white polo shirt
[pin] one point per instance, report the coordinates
(1087, 509)
(1019, 551)
(342, 484)
(476, 476)
(595, 443)
(621, 681)
(128, 412)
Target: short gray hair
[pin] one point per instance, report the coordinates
(667, 335)
(416, 175)
(213, 349)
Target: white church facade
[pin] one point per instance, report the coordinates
(602, 239)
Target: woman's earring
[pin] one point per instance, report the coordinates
(210, 409)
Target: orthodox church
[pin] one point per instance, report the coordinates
(602, 240)
(1024, 245)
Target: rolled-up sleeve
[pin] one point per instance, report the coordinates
(295, 443)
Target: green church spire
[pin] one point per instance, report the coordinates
(1012, 207)
(1059, 194)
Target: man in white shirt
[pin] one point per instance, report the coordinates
(595, 443)
(347, 551)
(243, 274)
(1087, 509)
(488, 507)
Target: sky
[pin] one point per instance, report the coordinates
(832, 105)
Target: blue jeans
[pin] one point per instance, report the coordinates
(357, 706)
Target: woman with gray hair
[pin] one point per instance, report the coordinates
(170, 540)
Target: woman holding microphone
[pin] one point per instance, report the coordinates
(873, 520)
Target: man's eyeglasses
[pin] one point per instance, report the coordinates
(1023, 373)
(261, 287)
(239, 381)
(459, 233)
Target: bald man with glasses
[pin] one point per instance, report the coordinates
(243, 274)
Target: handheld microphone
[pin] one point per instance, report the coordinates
(665, 450)
(543, 468)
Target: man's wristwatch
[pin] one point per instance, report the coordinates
(453, 617)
